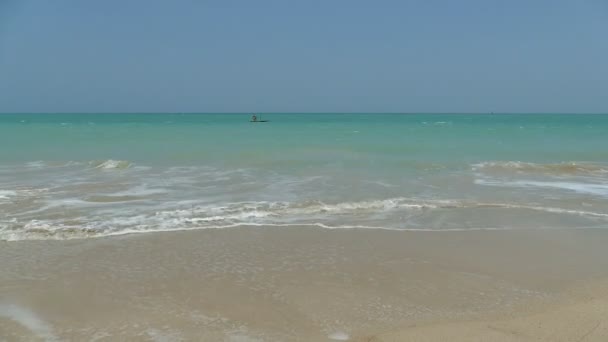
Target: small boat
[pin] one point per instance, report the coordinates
(256, 119)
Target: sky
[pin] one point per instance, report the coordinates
(473, 56)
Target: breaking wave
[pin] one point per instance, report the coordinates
(577, 187)
(110, 164)
(566, 168)
(96, 164)
(344, 215)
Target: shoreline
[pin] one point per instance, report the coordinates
(306, 284)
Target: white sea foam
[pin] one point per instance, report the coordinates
(110, 164)
(98, 164)
(339, 336)
(81, 202)
(41, 164)
(583, 168)
(6, 194)
(9, 195)
(36, 164)
(157, 335)
(241, 210)
(346, 215)
(140, 190)
(579, 187)
(63, 233)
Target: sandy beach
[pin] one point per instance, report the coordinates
(303, 284)
(310, 171)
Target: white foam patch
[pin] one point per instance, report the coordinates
(339, 336)
(29, 320)
(110, 164)
(38, 164)
(558, 168)
(108, 219)
(5, 194)
(583, 188)
(162, 336)
(69, 233)
(138, 190)
(8, 195)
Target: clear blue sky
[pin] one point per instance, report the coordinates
(304, 56)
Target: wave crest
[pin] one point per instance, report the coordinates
(393, 214)
(566, 168)
(110, 164)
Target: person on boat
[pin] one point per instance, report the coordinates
(254, 118)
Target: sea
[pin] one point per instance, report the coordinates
(76, 176)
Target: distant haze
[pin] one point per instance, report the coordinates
(304, 56)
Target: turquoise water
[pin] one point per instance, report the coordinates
(197, 139)
(80, 175)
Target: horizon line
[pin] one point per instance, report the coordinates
(315, 113)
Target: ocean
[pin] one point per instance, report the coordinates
(73, 176)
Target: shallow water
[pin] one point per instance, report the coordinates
(85, 175)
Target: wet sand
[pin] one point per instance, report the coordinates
(583, 320)
(304, 284)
